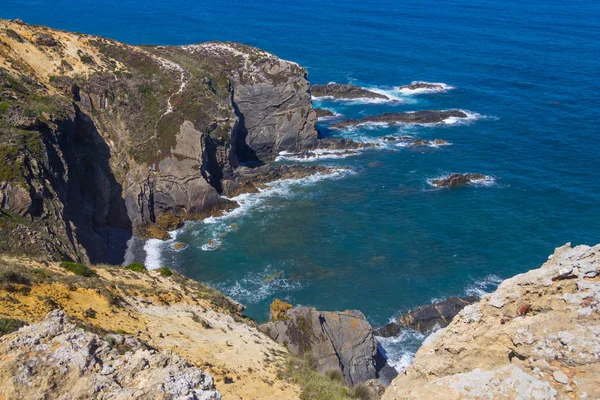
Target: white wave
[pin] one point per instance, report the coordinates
(486, 181)
(401, 349)
(441, 87)
(281, 188)
(258, 286)
(315, 155)
(471, 116)
(484, 286)
(154, 248)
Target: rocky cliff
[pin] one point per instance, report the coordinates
(101, 139)
(536, 337)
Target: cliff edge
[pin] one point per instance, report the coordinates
(536, 337)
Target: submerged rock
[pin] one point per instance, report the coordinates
(417, 117)
(423, 85)
(56, 358)
(491, 350)
(439, 314)
(344, 91)
(337, 341)
(456, 180)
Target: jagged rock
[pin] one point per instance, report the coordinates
(491, 350)
(341, 91)
(324, 113)
(338, 341)
(389, 330)
(456, 180)
(417, 117)
(439, 314)
(278, 309)
(55, 359)
(268, 173)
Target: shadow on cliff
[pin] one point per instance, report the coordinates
(92, 197)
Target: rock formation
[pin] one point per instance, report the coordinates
(416, 117)
(455, 180)
(337, 341)
(102, 139)
(439, 314)
(324, 113)
(346, 92)
(55, 359)
(423, 85)
(536, 337)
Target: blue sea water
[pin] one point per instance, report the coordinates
(379, 238)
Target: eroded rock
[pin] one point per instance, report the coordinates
(439, 314)
(344, 91)
(416, 117)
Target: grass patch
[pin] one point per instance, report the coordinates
(136, 267)
(317, 386)
(86, 59)
(78, 269)
(165, 271)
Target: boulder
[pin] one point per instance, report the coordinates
(341, 91)
(456, 180)
(416, 117)
(389, 330)
(439, 314)
(278, 310)
(337, 341)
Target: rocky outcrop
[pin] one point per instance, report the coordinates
(422, 85)
(110, 139)
(456, 180)
(416, 117)
(536, 337)
(56, 359)
(347, 92)
(337, 341)
(436, 315)
(324, 113)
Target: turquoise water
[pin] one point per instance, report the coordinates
(379, 238)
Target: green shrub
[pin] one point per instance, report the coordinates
(86, 59)
(165, 271)
(10, 325)
(78, 269)
(136, 267)
(4, 106)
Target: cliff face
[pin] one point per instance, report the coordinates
(536, 337)
(102, 138)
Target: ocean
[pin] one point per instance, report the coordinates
(377, 236)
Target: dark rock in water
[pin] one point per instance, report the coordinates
(323, 113)
(268, 173)
(389, 330)
(338, 341)
(342, 144)
(456, 180)
(341, 91)
(417, 117)
(398, 139)
(422, 85)
(46, 40)
(421, 142)
(427, 317)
